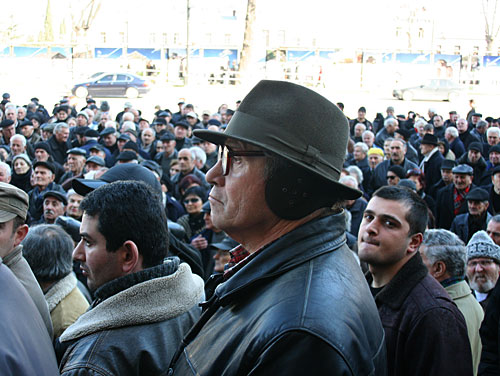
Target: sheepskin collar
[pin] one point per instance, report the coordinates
(151, 301)
(60, 290)
(170, 265)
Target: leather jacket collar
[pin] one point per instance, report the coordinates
(286, 253)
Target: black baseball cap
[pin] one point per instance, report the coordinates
(127, 171)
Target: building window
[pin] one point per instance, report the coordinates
(208, 38)
(420, 32)
(227, 38)
(165, 39)
(438, 49)
(266, 37)
(122, 37)
(476, 50)
(103, 37)
(176, 38)
(152, 38)
(457, 50)
(398, 32)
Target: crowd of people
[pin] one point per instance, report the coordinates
(234, 242)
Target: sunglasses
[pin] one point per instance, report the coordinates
(226, 154)
(390, 177)
(191, 201)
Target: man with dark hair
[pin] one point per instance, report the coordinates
(143, 305)
(274, 186)
(48, 249)
(493, 229)
(168, 154)
(425, 332)
(464, 134)
(445, 256)
(452, 121)
(361, 118)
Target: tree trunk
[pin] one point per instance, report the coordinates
(246, 51)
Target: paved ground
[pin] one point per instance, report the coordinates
(50, 87)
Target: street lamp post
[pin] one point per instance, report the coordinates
(186, 77)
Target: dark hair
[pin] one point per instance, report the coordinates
(18, 221)
(416, 214)
(48, 250)
(419, 174)
(197, 191)
(130, 210)
(188, 180)
(398, 170)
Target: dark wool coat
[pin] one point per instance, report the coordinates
(425, 332)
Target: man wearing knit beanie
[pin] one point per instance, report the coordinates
(483, 265)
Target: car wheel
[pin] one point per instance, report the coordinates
(132, 92)
(452, 96)
(408, 96)
(81, 92)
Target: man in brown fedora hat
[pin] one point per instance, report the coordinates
(292, 299)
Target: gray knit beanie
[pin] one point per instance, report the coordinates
(481, 245)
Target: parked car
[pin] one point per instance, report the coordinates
(105, 84)
(435, 89)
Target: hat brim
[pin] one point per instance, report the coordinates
(85, 186)
(220, 138)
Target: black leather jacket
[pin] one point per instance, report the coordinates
(301, 306)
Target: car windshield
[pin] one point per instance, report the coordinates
(95, 75)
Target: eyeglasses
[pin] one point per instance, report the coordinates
(226, 154)
(191, 201)
(390, 177)
(483, 263)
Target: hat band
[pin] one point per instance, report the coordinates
(14, 207)
(263, 133)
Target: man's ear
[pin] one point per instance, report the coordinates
(20, 234)
(438, 270)
(415, 241)
(131, 259)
